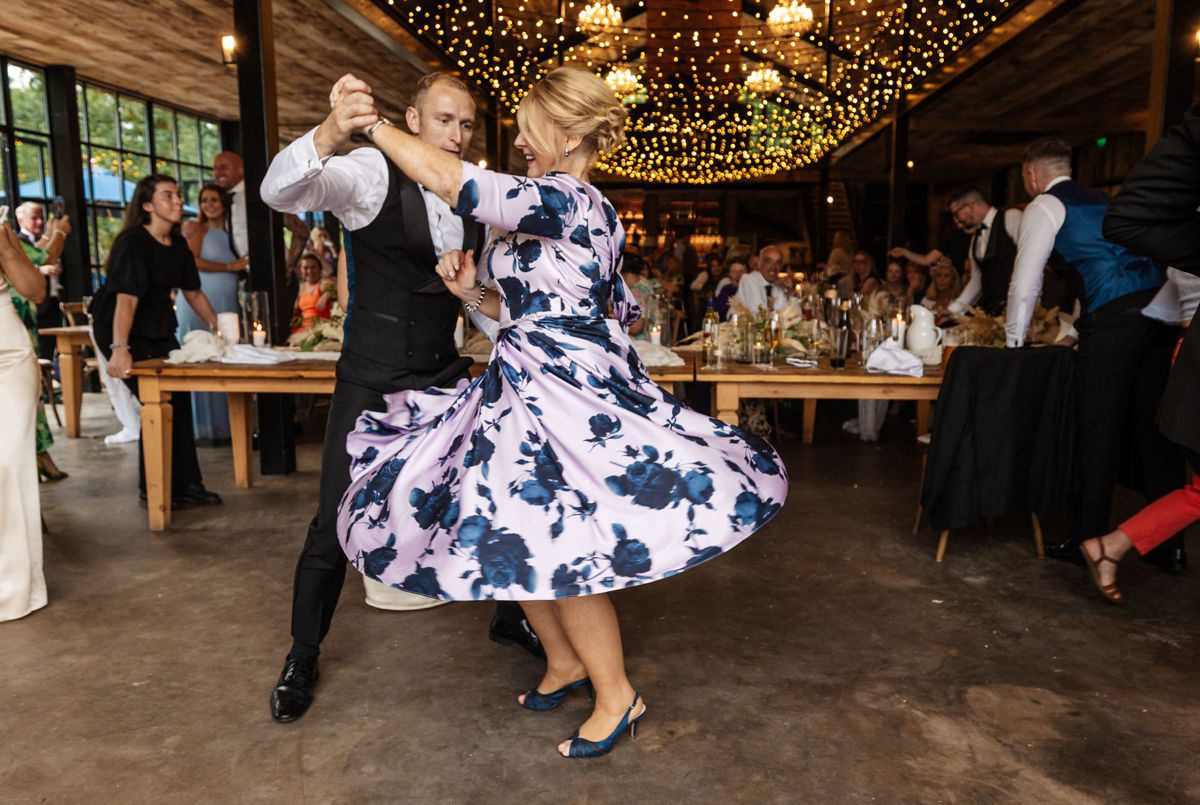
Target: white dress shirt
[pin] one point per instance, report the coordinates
(353, 187)
(752, 292)
(1044, 216)
(974, 287)
(237, 219)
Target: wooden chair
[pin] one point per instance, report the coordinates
(46, 371)
(75, 314)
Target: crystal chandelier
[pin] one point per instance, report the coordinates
(764, 81)
(790, 17)
(623, 82)
(602, 16)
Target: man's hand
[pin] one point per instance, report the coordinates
(1066, 341)
(50, 270)
(896, 251)
(457, 270)
(352, 108)
(60, 225)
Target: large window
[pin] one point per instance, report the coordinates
(26, 170)
(121, 138)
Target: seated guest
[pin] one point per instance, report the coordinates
(727, 288)
(315, 298)
(632, 271)
(761, 290)
(866, 281)
(944, 289)
(212, 249)
(704, 287)
(136, 318)
(918, 282)
(895, 280)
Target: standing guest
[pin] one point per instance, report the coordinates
(209, 241)
(1155, 214)
(43, 250)
(320, 244)
(992, 252)
(727, 288)
(399, 329)
(22, 583)
(230, 174)
(316, 295)
(1123, 357)
(470, 494)
(761, 290)
(866, 281)
(944, 289)
(43, 244)
(136, 318)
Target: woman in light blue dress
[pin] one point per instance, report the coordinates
(219, 267)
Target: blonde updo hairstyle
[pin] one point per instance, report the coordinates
(572, 101)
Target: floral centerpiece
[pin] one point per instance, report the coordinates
(324, 335)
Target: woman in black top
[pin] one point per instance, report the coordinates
(136, 319)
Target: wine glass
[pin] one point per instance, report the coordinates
(772, 337)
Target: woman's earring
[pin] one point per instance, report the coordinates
(566, 152)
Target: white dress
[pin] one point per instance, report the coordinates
(22, 585)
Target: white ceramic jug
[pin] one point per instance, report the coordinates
(922, 334)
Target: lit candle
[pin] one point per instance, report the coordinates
(259, 335)
(898, 329)
(758, 352)
(656, 335)
(799, 288)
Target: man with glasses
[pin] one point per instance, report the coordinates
(991, 255)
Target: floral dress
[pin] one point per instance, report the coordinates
(563, 470)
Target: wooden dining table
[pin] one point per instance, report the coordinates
(70, 342)
(158, 380)
(734, 382)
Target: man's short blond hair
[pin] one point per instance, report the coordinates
(25, 210)
(429, 80)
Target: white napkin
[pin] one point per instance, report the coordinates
(889, 358)
(801, 363)
(652, 355)
(246, 353)
(199, 346)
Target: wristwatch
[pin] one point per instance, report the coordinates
(382, 121)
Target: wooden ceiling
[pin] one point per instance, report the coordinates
(170, 51)
(1074, 68)
(1080, 70)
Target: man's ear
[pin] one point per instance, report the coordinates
(413, 118)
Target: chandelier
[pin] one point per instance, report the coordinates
(623, 82)
(790, 17)
(717, 90)
(764, 81)
(599, 17)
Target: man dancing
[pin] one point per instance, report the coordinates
(399, 328)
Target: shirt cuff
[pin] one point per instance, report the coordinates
(306, 148)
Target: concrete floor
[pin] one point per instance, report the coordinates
(829, 659)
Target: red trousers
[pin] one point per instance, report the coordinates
(1164, 518)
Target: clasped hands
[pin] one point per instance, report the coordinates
(352, 109)
(457, 270)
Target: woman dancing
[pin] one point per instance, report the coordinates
(563, 472)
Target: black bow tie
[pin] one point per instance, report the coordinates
(982, 227)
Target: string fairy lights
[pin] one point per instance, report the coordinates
(718, 90)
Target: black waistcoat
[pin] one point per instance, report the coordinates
(401, 316)
(996, 266)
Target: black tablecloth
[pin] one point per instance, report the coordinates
(1003, 436)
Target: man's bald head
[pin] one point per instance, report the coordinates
(770, 260)
(228, 170)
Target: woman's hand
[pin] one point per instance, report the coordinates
(457, 270)
(120, 364)
(240, 264)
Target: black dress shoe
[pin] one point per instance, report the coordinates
(293, 692)
(516, 633)
(176, 503)
(1065, 551)
(197, 495)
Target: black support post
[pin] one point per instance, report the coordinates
(68, 179)
(898, 170)
(254, 29)
(1173, 65)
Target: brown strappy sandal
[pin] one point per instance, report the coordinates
(1109, 591)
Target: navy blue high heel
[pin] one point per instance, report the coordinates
(583, 748)
(538, 701)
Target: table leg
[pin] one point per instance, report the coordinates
(727, 402)
(156, 442)
(239, 431)
(70, 364)
(923, 407)
(810, 419)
